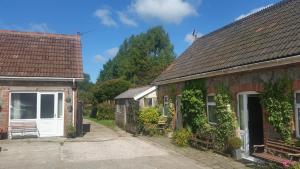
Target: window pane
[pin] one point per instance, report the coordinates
(241, 112)
(23, 105)
(60, 105)
(210, 98)
(166, 105)
(47, 106)
(298, 98)
(212, 114)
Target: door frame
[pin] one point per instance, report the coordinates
(38, 111)
(244, 134)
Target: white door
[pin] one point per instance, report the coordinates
(50, 114)
(243, 123)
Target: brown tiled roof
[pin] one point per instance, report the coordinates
(270, 34)
(28, 54)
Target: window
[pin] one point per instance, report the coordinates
(297, 113)
(241, 112)
(23, 106)
(148, 102)
(166, 106)
(36, 105)
(211, 109)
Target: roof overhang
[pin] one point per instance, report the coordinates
(144, 93)
(237, 69)
(40, 78)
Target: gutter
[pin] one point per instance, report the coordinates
(73, 103)
(237, 69)
(39, 78)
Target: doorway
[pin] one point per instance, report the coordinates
(255, 121)
(250, 119)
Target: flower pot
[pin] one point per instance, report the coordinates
(170, 134)
(236, 154)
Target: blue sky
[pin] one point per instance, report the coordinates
(106, 23)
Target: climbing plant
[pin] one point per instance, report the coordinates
(277, 99)
(193, 109)
(226, 124)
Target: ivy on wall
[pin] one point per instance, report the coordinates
(277, 99)
(225, 117)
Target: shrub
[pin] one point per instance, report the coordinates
(105, 111)
(234, 143)
(71, 131)
(295, 166)
(297, 143)
(181, 137)
(148, 119)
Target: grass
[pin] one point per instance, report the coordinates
(108, 123)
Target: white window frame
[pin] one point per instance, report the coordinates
(166, 102)
(146, 101)
(38, 104)
(297, 106)
(210, 104)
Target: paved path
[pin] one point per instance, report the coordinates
(102, 148)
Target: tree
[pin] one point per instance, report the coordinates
(141, 58)
(109, 89)
(85, 93)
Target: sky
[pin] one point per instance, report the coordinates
(104, 24)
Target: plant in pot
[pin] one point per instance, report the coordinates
(234, 144)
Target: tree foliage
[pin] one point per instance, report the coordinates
(109, 89)
(141, 58)
(85, 93)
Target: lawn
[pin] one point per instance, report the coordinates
(108, 123)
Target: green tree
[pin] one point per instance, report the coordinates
(141, 58)
(85, 93)
(109, 89)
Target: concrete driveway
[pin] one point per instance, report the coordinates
(102, 148)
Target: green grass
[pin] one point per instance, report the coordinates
(108, 123)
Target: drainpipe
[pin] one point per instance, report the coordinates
(73, 102)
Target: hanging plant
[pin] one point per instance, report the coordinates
(277, 99)
(226, 123)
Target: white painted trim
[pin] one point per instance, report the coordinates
(210, 104)
(237, 69)
(297, 105)
(39, 78)
(144, 93)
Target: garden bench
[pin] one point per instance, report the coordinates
(161, 125)
(204, 143)
(23, 129)
(277, 152)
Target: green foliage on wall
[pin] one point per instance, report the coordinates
(148, 119)
(277, 99)
(193, 109)
(226, 123)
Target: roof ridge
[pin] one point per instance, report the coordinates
(47, 34)
(267, 9)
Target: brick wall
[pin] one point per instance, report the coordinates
(242, 82)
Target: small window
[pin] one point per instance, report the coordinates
(166, 106)
(211, 109)
(148, 102)
(60, 105)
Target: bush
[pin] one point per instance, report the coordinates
(234, 143)
(297, 143)
(148, 119)
(105, 111)
(181, 137)
(295, 166)
(71, 131)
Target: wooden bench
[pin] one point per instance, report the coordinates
(277, 152)
(202, 143)
(161, 126)
(23, 129)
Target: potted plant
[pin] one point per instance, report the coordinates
(169, 132)
(234, 144)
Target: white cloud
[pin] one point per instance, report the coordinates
(108, 54)
(39, 27)
(169, 11)
(31, 27)
(126, 20)
(105, 17)
(112, 52)
(252, 12)
(190, 38)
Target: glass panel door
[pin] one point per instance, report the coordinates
(47, 105)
